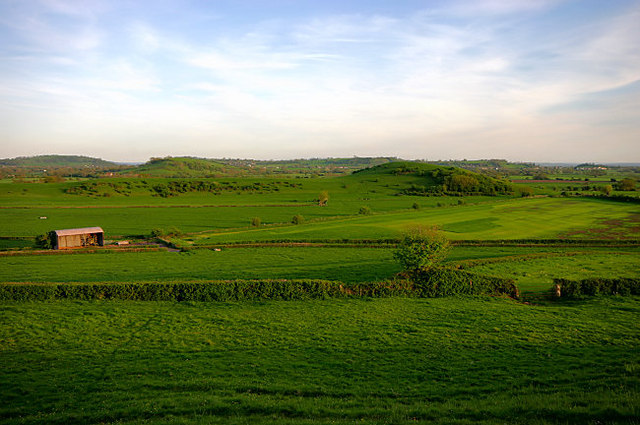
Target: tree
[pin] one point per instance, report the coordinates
(45, 241)
(323, 198)
(364, 210)
(606, 190)
(255, 221)
(297, 219)
(525, 191)
(627, 184)
(421, 247)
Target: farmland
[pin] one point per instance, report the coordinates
(473, 359)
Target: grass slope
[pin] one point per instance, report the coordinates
(57, 161)
(400, 361)
(182, 167)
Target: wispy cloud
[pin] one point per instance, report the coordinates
(457, 77)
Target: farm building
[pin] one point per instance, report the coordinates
(74, 238)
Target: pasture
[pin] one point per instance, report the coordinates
(487, 360)
(470, 360)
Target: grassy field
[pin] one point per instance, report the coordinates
(473, 360)
(484, 360)
(506, 219)
(343, 264)
(535, 275)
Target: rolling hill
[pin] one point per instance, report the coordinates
(57, 161)
(180, 167)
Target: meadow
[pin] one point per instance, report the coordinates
(459, 360)
(467, 360)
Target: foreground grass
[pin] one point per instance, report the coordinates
(470, 360)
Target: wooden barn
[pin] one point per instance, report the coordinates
(75, 238)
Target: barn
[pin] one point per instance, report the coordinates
(74, 238)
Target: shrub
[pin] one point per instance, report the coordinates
(421, 247)
(597, 286)
(45, 241)
(297, 219)
(441, 282)
(415, 206)
(364, 210)
(157, 232)
(256, 221)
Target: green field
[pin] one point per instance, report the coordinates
(474, 360)
(508, 219)
(459, 360)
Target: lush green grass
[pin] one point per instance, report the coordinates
(343, 264)
(474, 360)
(508, 219)
(537, 274)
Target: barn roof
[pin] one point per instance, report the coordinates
(80, 231)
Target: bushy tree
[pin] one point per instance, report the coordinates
(45, 241)
(297, 219)
(364, 210)
(421, 247)
(606, 190)
(256, 221)
(627, 184)
(323, 198)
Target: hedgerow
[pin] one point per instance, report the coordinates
(443, 282)
(437, 283)
(597, 286)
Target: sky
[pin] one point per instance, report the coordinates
(126, 80)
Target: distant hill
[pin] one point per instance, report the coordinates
(432, 179)
(56, 161)
(183, 167)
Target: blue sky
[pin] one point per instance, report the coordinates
(533, 80)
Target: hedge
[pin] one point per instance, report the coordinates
(427, 284)
(443, 282)
(597, 286)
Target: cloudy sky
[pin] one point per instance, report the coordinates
(124, 80)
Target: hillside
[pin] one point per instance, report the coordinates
(56, 161)
(184, 167)
(434, 180)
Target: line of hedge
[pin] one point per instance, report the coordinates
(596, 286)
(435, 283)
(448, 282)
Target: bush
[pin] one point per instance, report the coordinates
(597, 286)
(256, 221)
(426, 284)
(415, 206)
(364, 210)
(45, 241)
(421, 247)
(441, 282)
(297, 219)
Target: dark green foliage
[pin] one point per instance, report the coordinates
(364, 210)
(297, 219)
(415, 206)
(234, 290)
(169, 188)
(256, 221)
(626, 184)
(422, 283)
(442, 282)
(421, 247)
(597, 286)
(45, 241)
